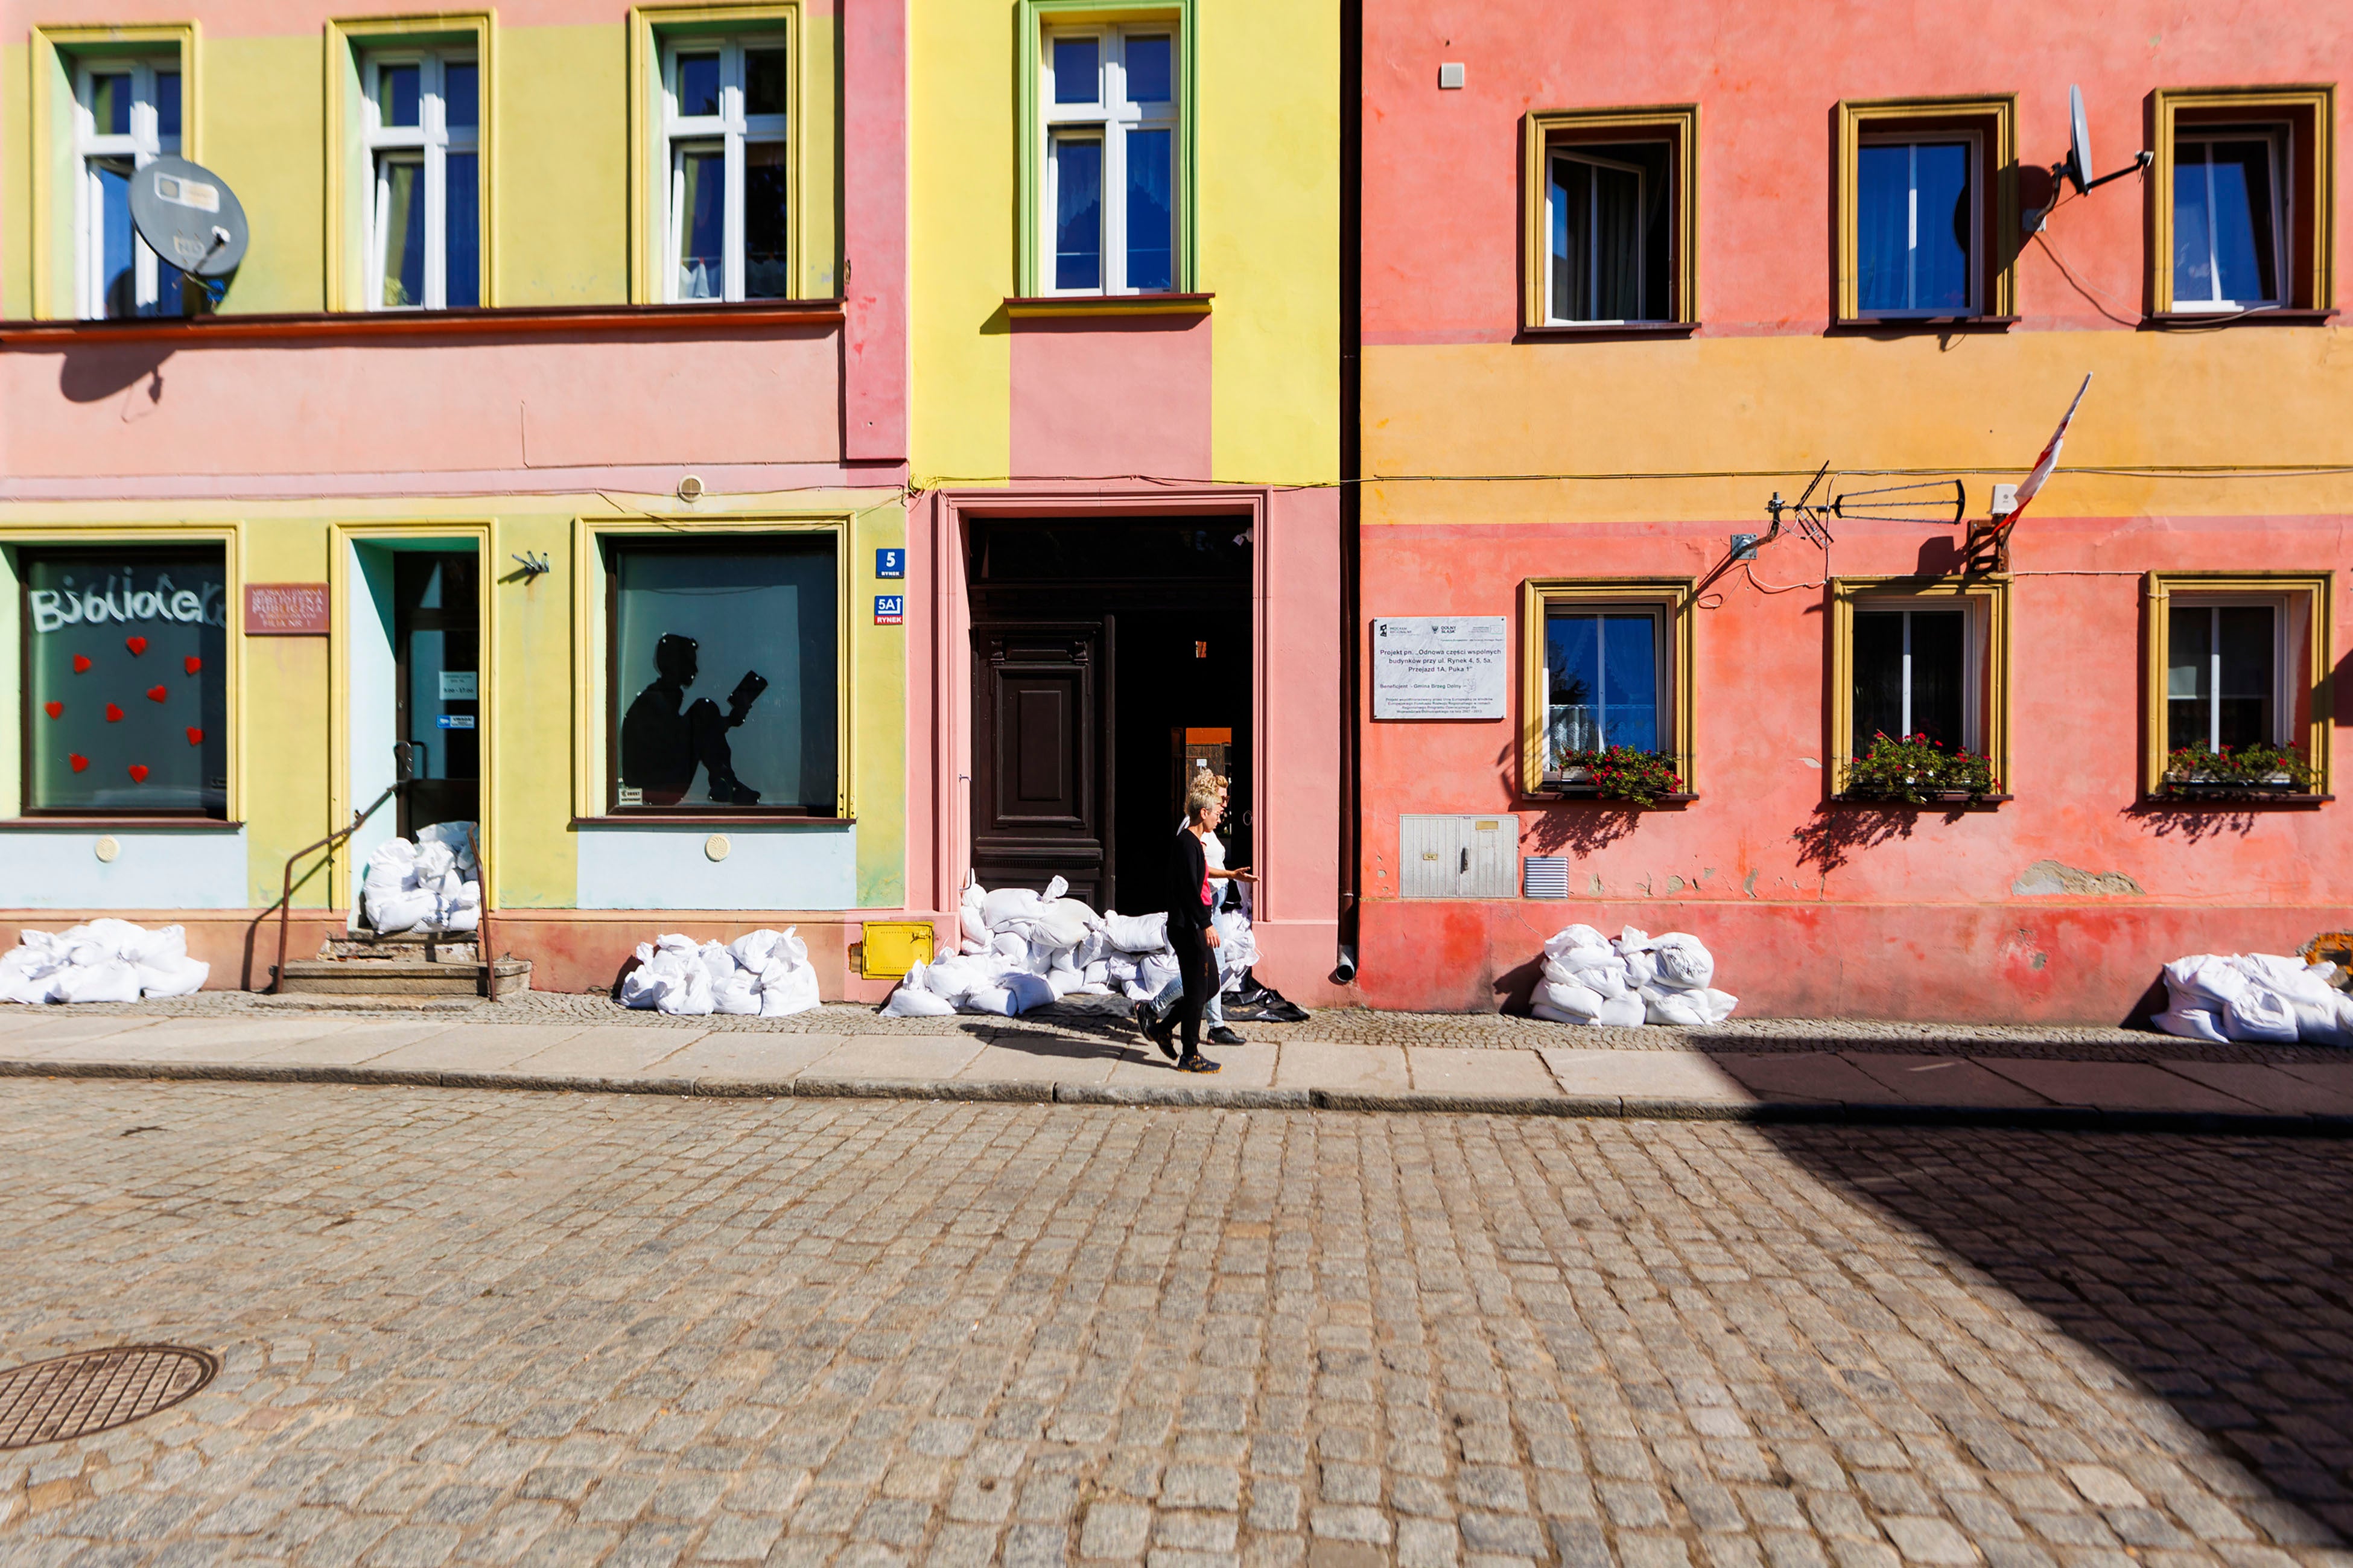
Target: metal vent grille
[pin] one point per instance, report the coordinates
(1545, 877)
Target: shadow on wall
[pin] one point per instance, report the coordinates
(2197, 1296)
(94, 372)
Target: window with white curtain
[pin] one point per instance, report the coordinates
(1612, 254)
(1917, 226)
(126, 115)
(422, 119)
(726, 154)
(1108, 102)
(2228, 220)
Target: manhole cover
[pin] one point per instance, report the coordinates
(96, 1391)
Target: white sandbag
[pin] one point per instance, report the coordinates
(1237, 943)
(1119, 968)
(1664, 1005)
(738, 993)
(1573, 1002)
(1136, 934)
(1621, 1012)
(162, 947)
(717, 961)
(29, 971)
(1062, 982)
(2259, 1013)
(458, 836)
(972, 948)
(1065, 922)
(394, 861)
(434, 860)
(691, 997)
(950, 978)
(987, 999)
(1092, 949)
(912, 1001)
(1099, 972)
(1683, 960)
(106, 937)
(1718, 1003)
(2191, 1024)
(1012, 949)
(462, 918)
(1642, 968)
(1573, 938)
(1027, 991)
(1597, 969)
(1137, 991)
(1055, 887)
(1009, 904)
(394, 908)
(752, 949)
(2203, 982)
(1157, 969)
(108, 980)
(183, 976)
(787, 988)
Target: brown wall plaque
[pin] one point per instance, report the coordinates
(286, 609)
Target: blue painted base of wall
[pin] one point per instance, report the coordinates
(768, 867)
(157, 869)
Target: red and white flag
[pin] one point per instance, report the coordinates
(2046, 463)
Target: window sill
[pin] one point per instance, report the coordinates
(1924, 324)
(107, 824)
(496, 322)
(692, 819)
(1609, 330)
(2225, 798)
(2262, 315)
(1560, 795)
(1108, 305)
(1948, 799)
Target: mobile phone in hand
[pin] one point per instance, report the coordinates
(747, 690)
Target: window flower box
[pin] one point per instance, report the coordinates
(2236, 772)
(1913, 770)
(1618, 773)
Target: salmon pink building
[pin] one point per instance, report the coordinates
(1629, 274)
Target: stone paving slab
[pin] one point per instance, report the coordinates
(1436, 1069)
(2268, 1087)
(1944, 1080)
(2121, 1085)
(357, 1043)
(1801, 1076)
(1647, 1075)
(479, 1047)
(1319, 1064)
(612, 1049)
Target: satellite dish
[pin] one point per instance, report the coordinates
(189, 217)
(2078, 166)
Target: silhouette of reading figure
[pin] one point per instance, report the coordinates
(662, 747)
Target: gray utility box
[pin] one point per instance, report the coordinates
(1459, 856)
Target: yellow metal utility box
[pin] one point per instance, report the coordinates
(893, 947)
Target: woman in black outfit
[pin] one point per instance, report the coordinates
(1189, 931)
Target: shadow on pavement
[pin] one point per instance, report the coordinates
(2215, 1273)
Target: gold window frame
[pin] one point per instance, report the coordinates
(2308, 183)
(1546, 128)
(1671, 597)
(2158, 589)
(1987, 597)
(1994, 119)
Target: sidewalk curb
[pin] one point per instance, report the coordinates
(2051, 1118)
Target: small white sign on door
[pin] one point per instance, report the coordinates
(458, 686)
(1449, 666)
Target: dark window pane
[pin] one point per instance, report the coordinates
(110, 103)
(1940, 271)
(1077, 66)
(1939, 680)
(1572, 249)
(725, 675)
(1573, 676)
(461, 96)
(698, 84)
(1629, 682)
(462, 230)
(2245, 237)
(1883, 227)
(1078, 213)
(125, 658)
(767, 254)
(1123, 548)
(167, 103)
(118, 277)
(2189, 689)
(1602, 677)
(1147, 71)
(767, 85)
(1151, 217)
(2245, 698)
(1878, 678)
(397, 94)
(2193, 239)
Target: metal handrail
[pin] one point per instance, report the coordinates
(331, 843)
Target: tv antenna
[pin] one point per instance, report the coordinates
(2075, 168)
(190, 219)
(1943, 501)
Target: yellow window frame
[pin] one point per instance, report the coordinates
(1545, 128)
(2158, 589)
(2310, 189)
(1989, 595)
(1994, 118)
(55, 51)
(1671, 597)
(229, 536)
(349, 177)
(591, 637)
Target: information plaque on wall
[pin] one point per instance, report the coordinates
(286, 609)
(1450, 667)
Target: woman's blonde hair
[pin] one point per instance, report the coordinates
(1205, 790)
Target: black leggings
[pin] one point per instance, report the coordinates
(1195, 963)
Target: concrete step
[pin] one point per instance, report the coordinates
(379, 977)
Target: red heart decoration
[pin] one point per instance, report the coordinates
(114, 714)
(195, 737)
(136, 645)
(81, 662)
(157, 693)
(139, 773)
(192, 663)
(78, 762)
(56, 710)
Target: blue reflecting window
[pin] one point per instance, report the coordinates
(462, 231)
(1078, 70)
(398, 93)
(700, 181)
(1151, 220)
(460, 97)
(698, 85)
(1602, 672)
(1078, 212)
(118, 255)
(2226, 223)
(1147, 70)
(110, 103)
(1915, 227)
(167, 105)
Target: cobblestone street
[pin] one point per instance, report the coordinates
(462, 1326)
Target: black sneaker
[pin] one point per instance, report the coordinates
(1196, 1063)
(1161, 1031)
(1222, 1036)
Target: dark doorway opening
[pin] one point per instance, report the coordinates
(437, 645)
(1111, 656)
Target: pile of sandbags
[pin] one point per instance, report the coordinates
(1635, 979)
(763, 973)
(430, 884)
(2255, 997)
(105, 960)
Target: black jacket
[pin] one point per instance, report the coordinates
(1188, 873)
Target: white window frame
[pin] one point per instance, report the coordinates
(732, 130)
(1973, 610)
(1976, 268)
(429, 141)
(1575, 153)
(2284, 727)
(1113, 116)
(2282, 149)
(143, 145)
